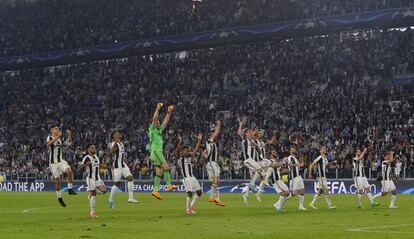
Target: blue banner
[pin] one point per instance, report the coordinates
(383, 18)
(344, 186)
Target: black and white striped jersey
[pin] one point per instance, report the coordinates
(212, 150)
(386, 170)
(321, 163)
(55, 150)
(118, 156)
(254, 153)
(358, 167)
(262, 146)
(92, 171)
(246, 147)
(294, 170)
(186, 167)
(275, 176)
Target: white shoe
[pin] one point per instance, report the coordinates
(258, 198)
(393, 207)
(303, 209)
(132, 200)
(312, 206)
(332, 207)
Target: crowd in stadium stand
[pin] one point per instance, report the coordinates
(43, 25)
(311, 91)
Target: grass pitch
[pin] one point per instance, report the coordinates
(38, 215)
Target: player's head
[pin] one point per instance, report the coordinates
(54, 130)
(357, 152)
(116, 135)
(248, 133)
(292, 150)
(323, 150)
(273, 153)
(259, 133)
(91, 149)
(184, 152)
(157, 124)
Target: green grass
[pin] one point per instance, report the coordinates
(166, 219)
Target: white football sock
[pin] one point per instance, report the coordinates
(194, 201)
(246, 191)
(359, 199)
(371, 199)
(113, 191)
(281, 201)
(58, 194)
(217, 194)
(70, 185)
(315, 198)
(261, 187)
(92, 203)
(377, 195)
(188, 203)
(393, 198)
(131, 190)
(301, 200)
(255, 177)
(328, 200)
(213, 192)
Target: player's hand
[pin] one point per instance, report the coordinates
(159, 106)
(68, 133)
(218, 122)
(170, 108)
(179, 137)
(199, 136)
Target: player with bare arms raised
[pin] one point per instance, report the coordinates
(213, 169)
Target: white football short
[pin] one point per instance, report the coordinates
(213, 170)
(58, 169)
(120, 173)
(191, 184)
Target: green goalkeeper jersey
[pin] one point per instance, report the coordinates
(155, 135)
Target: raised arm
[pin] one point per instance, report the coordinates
(216, 130)
(273, 140)
(178, 149)
(197, 147)
(113, 147)
(156, 114)
(361, 157)
(167, 117)
(68, 142)
(392, 158)
(52, 141)
(240, 129)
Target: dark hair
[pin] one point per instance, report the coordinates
(52, 126)
(113, 133)
(88, 145)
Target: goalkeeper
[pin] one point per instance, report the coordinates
(156, 148)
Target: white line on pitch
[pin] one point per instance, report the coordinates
(33, 209)
(367, 229)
